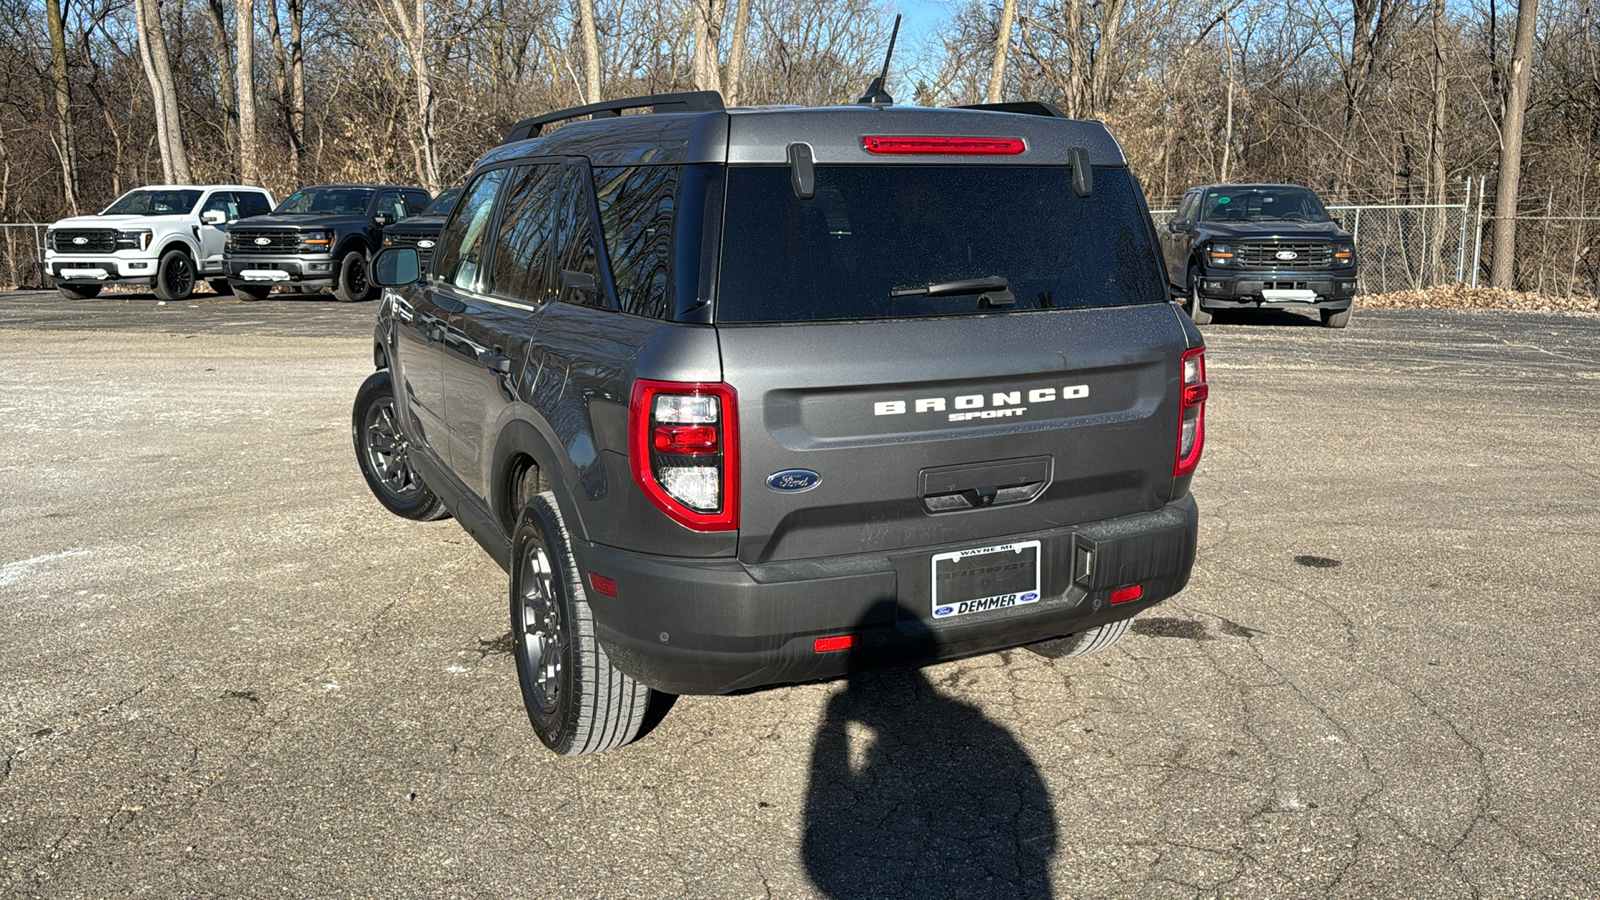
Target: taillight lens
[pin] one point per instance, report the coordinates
(683, 445)
(1192, 393)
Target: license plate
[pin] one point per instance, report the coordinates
(984, 579)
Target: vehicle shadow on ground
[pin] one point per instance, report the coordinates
(915, 794)
(1264, 317)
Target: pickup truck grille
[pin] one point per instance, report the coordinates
(94, 241)
(1270, 255)
(278, 240)
(401, 239)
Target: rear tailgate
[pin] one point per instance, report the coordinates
(927, 431)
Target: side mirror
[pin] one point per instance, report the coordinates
(214, 217)
(396, 267)
(384, 219)
(1337, 222)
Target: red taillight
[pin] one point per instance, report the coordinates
(830, 644)
(683, 448)
(1192, 394)
(602, 584)
(944, 146)
(1123, 595)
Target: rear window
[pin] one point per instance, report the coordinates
(873, 230)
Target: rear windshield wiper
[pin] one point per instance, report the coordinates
(955, 288)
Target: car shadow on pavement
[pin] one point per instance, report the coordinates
(1264, 317)
(915, 794)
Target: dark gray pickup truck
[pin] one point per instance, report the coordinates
(744, 397)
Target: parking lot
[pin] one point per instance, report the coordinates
(228, 672)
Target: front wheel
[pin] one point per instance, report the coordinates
(174, 276)
(79, 291)
(1335, 318)
(385, 455)
(577, 701)
(1199, 314)
(353, 286)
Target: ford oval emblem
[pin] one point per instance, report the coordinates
(1288, 254)
(793, 481)
(262, 242)
(425, 245)
(80, 240)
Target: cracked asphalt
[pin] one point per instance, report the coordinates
(228, 673)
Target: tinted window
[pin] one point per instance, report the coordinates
(327, 201)
(575, 249)
(443, 203)
(222, 202)
(1262, 204)
(416, 202)
(153, 203)
(462, 242)
(253, 204)
(390, 202)
(870, 230)
(1186, 210)
(521, 268)
(637, 208)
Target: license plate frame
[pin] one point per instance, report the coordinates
(983, 579)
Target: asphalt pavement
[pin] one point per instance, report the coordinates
(229, 673)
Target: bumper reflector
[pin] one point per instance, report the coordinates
(830, 644)
(1123, 595)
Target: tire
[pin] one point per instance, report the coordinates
(1335, 318)
(220, 287)
(251, 292)
(383, 453)
(1091, 640)
(79, 291)
(1197, 313)
(353, 286)
(577, 701)
(174, 276)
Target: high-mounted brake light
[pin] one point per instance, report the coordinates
(1192, 394)
(944, 146)
(683, 448)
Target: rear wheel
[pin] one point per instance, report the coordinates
(384, 454)
(1091, 640)
(220, 287)
(250, 292)
(174, 276)
(1199, 314)
(1335, 318)
(577, 701)
(353, 286)
(79, 291)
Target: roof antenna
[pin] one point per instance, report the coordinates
(876, 95)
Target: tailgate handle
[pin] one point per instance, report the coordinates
(984, 485)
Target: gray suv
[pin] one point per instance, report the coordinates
(745, 397)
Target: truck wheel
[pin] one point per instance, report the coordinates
(220, 287)
(250, 292)
(1335, 318)
(79, 291)
(174, 276)
(576, 699)
(353, 286)
(384, 453)
(1199, 314)
(1085, 642)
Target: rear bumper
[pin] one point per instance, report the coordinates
(297, 271)
(716, 626)
(1289, 288)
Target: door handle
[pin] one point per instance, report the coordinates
(496, 363)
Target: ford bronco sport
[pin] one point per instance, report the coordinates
(1260, 245)
(755, 396)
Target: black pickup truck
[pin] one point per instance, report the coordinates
(742, 397)
(321, 237)
(1260, 245)
(422, 230)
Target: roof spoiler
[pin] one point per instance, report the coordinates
(1025, 107)
(680, 102)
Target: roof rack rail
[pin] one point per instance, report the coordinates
(1025, 107)
(683, 101)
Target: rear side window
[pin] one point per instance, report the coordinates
(873, 230)
(527, 230)
(464, 239)
(253, 204)
(637, 207)
(577, 263)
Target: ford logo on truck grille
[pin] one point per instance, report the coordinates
(793, 481)
(1288, 254)
(80, 240)
(426, 245)
(262, 242)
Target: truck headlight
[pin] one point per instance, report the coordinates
(1220, 254)
(138, 239)
(316, 240)
(1344, 255)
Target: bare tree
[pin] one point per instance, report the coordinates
(741, 25)
(1002, 49)
(591, 51)
(164, 92)
(245, 26)
(411, 26)
(708, 43)
(1502, 273)
(67, 148)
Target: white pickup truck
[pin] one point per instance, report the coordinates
(168, 236)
